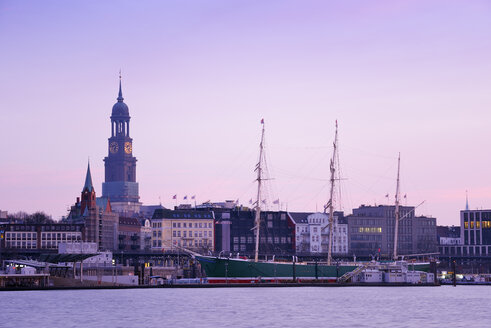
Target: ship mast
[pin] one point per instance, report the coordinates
(331, 200)
(396, 225)
(258, 199)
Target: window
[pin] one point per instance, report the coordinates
(173, 224)
(184, 225)
(174, 233)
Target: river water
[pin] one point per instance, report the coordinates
(446, 306)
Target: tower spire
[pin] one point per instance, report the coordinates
(466, 201)
(88, 180)
(120, 95)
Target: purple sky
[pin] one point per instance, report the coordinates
(399, 76)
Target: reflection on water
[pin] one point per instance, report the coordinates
(446, 306)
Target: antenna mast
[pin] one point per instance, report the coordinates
(258, 200)
(331, 200)
(396, 225)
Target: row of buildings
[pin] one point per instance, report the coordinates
(218, 229)
(117, 221)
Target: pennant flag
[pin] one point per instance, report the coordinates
(387, 195)
(262, 121)
(250, 201)
(276, 201)
(193, 197)
(185, 197)
(174, 197)
(405, 195)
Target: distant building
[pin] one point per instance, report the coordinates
(474, 239)
(129, 234)
(145, 235)
(193, 230)
(101, 223)
(120, 184)
(40, 236)
(448, 235)
(371, 231)
(312, 233)
(235, 232)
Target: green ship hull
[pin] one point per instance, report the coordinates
(224, 270)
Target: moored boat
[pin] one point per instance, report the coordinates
(232, 270)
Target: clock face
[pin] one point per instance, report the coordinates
(113, 147)
(127, 147)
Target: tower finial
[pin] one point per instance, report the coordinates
(120, 95)
(466, 201)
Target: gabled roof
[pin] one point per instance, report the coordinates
(299, 217)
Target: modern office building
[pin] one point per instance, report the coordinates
(475, 236)
(371, 231)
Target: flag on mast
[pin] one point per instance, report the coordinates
(276, 201)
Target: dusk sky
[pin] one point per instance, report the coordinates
(198, 76)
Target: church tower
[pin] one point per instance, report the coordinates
(88, 201)
(120, 184)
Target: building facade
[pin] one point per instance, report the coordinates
(120, 185)
(146, 235)
(173, 230)
(371, 231)
(40, 236)
(235, 232)
(475, 236)
(129, 234)
(312, 233)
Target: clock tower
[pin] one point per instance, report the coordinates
(120, 184)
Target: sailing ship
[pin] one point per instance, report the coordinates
(236, 270)
(240, 270)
